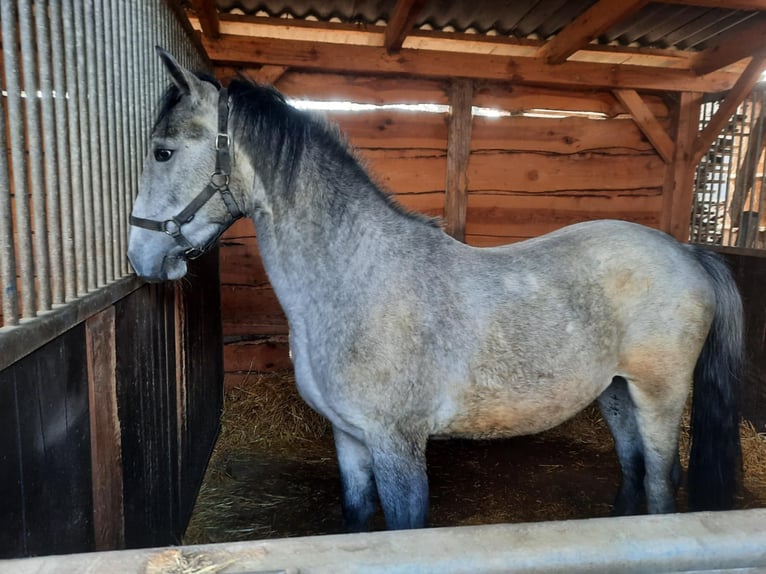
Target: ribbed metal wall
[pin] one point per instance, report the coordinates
(80, 80)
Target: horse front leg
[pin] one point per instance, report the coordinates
(355, 462)
(399, 466)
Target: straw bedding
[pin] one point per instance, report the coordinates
(273, 471)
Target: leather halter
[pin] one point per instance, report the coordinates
(219, 183)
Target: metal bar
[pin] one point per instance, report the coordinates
(121, 101)
(115, 230)
(84, 159)
(34, 161)
(94, 227)
(133, 109)
(53, 209)
(8, 292)
(18, 159)
(64, 187)
(756, 131)
(76, 155)
(713, 542)
(103, 211)
(724, 201)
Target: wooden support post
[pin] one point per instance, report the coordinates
(647, 122)
(105, 433)
(678, 188)
(458, 153)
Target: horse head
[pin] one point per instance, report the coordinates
(185, 201)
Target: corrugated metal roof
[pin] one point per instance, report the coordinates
(654, 26)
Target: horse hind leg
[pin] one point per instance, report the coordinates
(399, 466)
(355, 463)
(658, 409)
(619, 413)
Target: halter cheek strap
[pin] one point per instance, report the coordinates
(218, 184)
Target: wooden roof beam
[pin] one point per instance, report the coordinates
(586, 27)
(729, 105)
(647, 123)
(232, 50)
(728, 4)
(743, 41)
(208, 17)
(400, 23)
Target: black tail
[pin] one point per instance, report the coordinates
(715, 460)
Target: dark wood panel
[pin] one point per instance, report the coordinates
(201, 383)
(12, 539)
(147, 403)
(750, 274)
(48, 391)
(106, 453)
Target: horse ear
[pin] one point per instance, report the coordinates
(183, 78)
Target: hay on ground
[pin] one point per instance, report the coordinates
(273, 471)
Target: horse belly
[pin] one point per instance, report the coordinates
(495, 413)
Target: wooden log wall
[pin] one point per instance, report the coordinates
(524, 176)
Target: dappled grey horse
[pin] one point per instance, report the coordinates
(400, 333)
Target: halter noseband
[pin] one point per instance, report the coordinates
(219, 183)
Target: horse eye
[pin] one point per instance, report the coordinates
(163, 154)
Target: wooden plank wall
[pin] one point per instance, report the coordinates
(105, 432)
(45, 461)
(526, 176)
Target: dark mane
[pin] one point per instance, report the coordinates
(264, 110)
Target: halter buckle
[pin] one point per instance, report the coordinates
(222, 141)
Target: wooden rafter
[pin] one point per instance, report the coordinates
(729, 105)
(208, 17)
(402, 18)
(586, 27)
(729, 4)
(247, 51)
(270, 74)
(746, 40)
(647, 122)
(339, 33)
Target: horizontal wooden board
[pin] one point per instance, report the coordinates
(490, 240)
(251, 310)
(406, 171)
(553, 135)
(265, 355)
(540, 173)
(241, 262)
(430, 203)
(362, 89)
(520, 98)
(529, 215)
(241, 228)
(392, 128)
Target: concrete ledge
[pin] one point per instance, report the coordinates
(695, 542)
